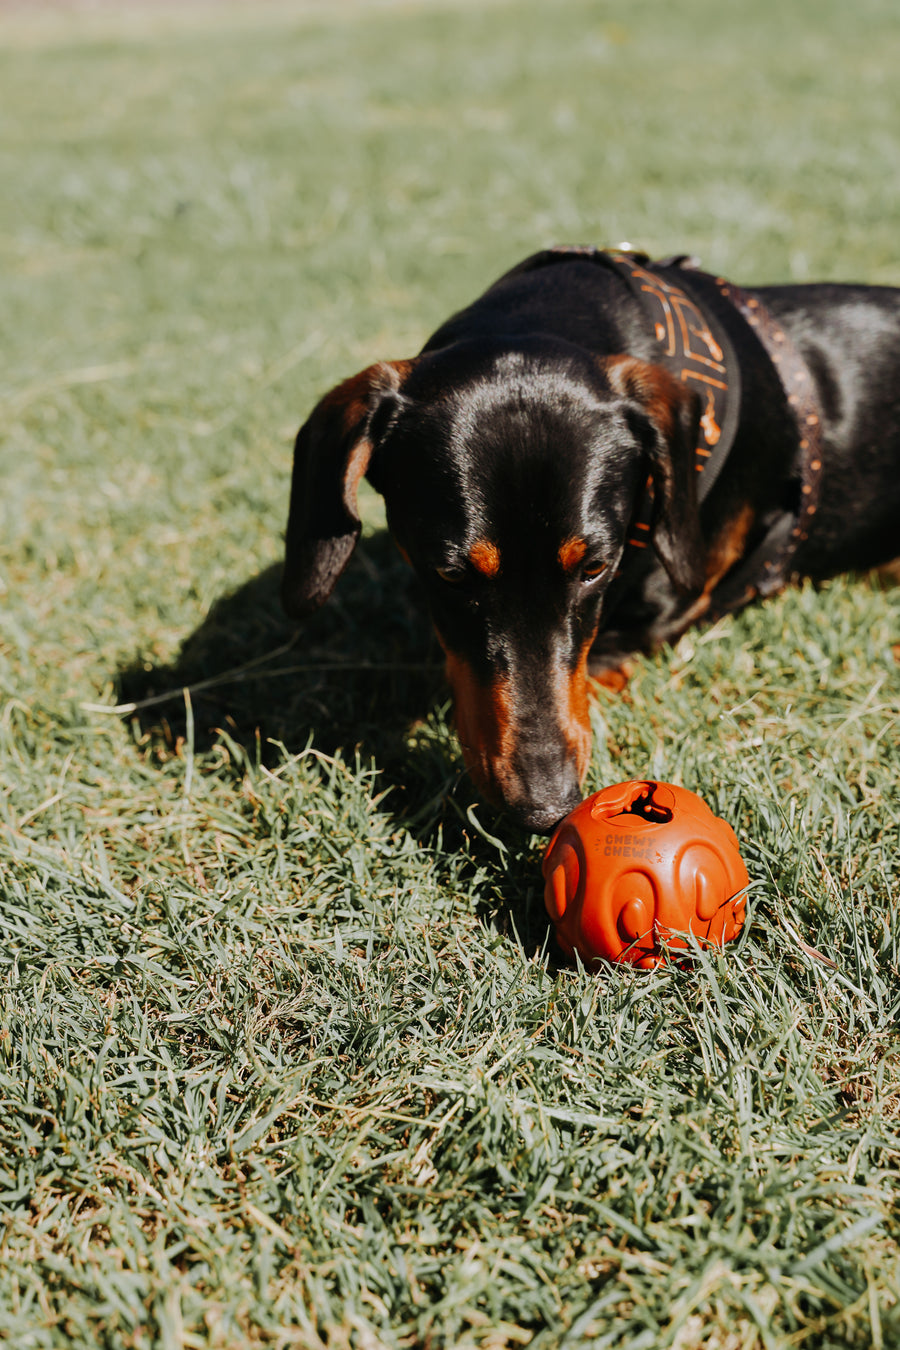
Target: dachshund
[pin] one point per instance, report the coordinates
(598, 452)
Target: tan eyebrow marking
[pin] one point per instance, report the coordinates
(571, 552)
(485, 557)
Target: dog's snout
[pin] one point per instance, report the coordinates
(541, 815)
(531, 765)
(544, 787)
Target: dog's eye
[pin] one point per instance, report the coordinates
(452, 576)
(592, 571)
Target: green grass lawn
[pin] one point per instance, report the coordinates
(285, 1055)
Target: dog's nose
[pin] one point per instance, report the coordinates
(540, 811)
(542, 783)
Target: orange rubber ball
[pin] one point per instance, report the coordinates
(638, 864)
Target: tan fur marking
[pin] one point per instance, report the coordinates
(615, 678)
(728, 547)
(353, 395)
(485, 557)
(653, 387)
(574, 706)
(726, 550)
(484, 724)
(571, 552)
(353, 399)
(357, 463)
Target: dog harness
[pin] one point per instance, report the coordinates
(698, 351)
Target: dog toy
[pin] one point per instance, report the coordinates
(640, 864)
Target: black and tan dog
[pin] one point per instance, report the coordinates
(598, 452)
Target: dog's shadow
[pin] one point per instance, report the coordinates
(363, 675)
(357, 675)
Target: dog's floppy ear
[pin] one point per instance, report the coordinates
(331, 455)
(673, 412)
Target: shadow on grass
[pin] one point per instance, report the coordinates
(363, 675)
(358, 675)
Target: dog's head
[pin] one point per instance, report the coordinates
(510, 476)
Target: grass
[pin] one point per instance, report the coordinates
(286, 1057)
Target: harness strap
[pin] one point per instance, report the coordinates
(695, 349)
(695, 354)
(699, 353)
(767, 569)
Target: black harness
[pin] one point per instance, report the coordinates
(697, 350)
